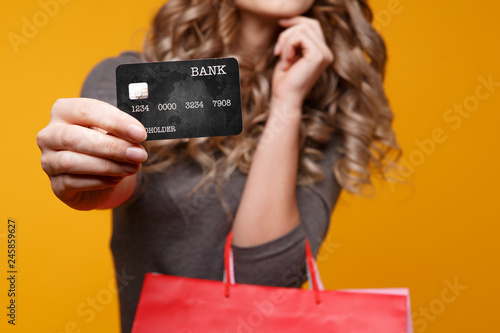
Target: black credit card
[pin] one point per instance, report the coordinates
(182, 99)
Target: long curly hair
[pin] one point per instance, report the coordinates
(347, 99)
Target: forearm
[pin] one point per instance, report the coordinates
(268, 207)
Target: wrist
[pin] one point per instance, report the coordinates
(289, 102)
(287, 111)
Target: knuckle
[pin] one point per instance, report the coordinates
(45, 162)
(87, 108)
(287, 33)
(56, 185)
(47, 167)
(313, 23)
(325, 56)
(302, 31)
(94, 138)
(66, 162)
(301, 28)
(56, 108)
(105, 167)
(67, 181)
(41, 138)
(113, 148)
(316, 24)
(109, 168)
(328, 58)
(281, 38)
(330, 55)
(68, 138)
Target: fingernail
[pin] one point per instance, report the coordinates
(275, 49)
(136, 133)
(130, 168)
(136, 154)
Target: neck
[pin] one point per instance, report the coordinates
(256, 34)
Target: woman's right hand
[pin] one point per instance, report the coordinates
(91, 153)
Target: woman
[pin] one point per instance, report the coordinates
(315, 119)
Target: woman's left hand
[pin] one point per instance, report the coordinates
(304, 55)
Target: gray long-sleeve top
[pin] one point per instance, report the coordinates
(162, 229)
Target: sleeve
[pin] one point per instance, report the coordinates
(101, 82)
(281, 262)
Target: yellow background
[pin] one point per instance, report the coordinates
(441, 226)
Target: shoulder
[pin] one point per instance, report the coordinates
(101, 83)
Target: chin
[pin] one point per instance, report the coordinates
(275, 8)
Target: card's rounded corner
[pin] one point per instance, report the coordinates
(234, 58)
(118, 67)
(241, 130)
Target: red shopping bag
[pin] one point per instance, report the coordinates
(187, 305)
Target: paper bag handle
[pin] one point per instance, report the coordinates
(313, 275)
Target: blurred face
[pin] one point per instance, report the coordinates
(275, 8)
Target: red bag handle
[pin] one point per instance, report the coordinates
(228, 271)
(312, 270)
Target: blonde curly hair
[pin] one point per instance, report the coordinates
(348, 98)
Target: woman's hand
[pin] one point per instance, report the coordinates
(89, 150)
(266, 215)
(304, 55)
